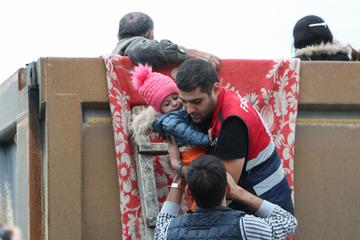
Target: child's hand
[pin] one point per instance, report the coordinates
(174, 152)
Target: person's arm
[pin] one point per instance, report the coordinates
(157, 54)
(175, 159)
(234, 167)
(270, 222)
(232, 146)
(170, 209)
(195, 54)
(165, 53)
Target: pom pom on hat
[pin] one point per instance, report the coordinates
(154, 87)
(140, 74)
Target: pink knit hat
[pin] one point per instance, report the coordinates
(154, 87)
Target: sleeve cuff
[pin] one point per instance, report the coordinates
(265, 209)
(182, 49)
(171, 208)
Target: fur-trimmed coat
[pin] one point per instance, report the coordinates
(324, 52)
(176, 123)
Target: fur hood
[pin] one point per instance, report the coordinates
(142, 123)
(324, 49)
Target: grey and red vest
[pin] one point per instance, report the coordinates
(263, 173)
(215, 223)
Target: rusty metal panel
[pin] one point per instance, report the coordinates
(100, 196)
(327, 167)
(19, 139)
(82, 197)
(8, 158)
(326, 151)
(329, 83)
(8, 109)
(8, 183)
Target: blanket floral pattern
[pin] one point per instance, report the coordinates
(271, 86)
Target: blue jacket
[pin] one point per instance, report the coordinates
(216, 223)
(179, 124)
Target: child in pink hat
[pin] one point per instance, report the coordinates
(158, 90)
(166, 115)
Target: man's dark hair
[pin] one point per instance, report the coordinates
(196, 73)
(206, 178)
(135, 24)
(306, 34)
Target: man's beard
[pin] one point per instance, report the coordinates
(206, 119)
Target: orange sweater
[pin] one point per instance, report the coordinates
(187, 156)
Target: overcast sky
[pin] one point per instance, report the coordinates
(256, 29)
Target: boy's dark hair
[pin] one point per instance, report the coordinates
(206, 178)
(196, 73)
(135, 24)
(306, 34)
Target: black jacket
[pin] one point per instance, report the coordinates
(157, 54)
(216, 223)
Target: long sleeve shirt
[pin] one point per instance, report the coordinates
(270, 222)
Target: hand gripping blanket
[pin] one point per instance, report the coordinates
(271, 86)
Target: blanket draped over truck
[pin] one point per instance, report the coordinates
(271, 86)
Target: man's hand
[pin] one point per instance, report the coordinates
(239, 194)
(233, 187)
(174, 153)
(210, 58)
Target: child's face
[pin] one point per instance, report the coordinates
(171, 103)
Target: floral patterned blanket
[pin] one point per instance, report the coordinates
(271, 86)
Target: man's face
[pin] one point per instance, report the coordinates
(199, 105)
